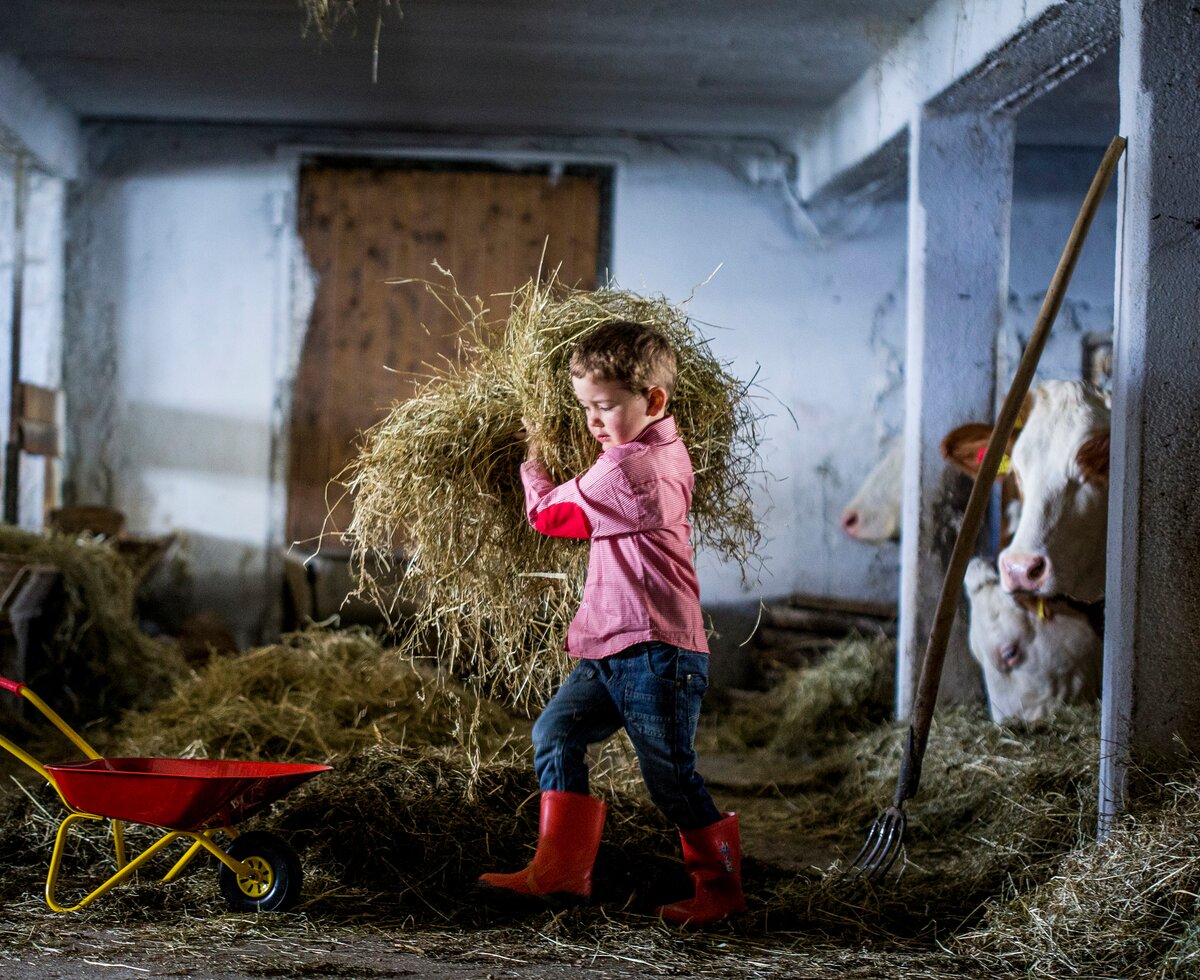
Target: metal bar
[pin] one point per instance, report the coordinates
(12, 449)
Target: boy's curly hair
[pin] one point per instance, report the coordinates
(632, 354)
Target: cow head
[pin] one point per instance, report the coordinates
(1059, 465)
(1000, 633)
(873, 515)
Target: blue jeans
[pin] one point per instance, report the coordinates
(653, 691)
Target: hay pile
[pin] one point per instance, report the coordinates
(851, 690)
(439, 478)
(996, 812)
(430, 786)
(315, 696)
(96, 662)
(848, 689)
(1124, 907)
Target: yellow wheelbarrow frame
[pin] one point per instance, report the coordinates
(255, 878)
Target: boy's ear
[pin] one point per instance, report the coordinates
(656, 400)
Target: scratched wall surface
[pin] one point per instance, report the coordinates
(187, 307)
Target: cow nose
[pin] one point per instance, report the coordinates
(1024, 572)
(850, 522)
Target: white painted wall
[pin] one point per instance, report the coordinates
(177, 260)
(821, 323)
(41, 308)
(181, 340)
(41, 327)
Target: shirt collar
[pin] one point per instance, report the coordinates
(658, 432)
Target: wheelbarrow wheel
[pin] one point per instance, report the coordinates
(274, 887)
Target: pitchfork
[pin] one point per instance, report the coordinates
(886, 837)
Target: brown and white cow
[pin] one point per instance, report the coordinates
(1035, 653)
(1059, 463)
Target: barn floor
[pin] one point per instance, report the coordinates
(183, 930)
(789, 837)
(349, 935)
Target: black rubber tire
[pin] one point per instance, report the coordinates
(272, 856)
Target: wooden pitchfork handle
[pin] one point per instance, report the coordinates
(964, 544)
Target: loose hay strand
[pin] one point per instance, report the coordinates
(439, 479)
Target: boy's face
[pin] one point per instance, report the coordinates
(616, 415)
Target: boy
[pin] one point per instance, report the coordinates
(638, 634)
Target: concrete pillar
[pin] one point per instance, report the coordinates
(959, 207)
(1151, 703)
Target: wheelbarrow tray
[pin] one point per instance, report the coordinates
(177, 794)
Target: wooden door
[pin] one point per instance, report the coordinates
(367, 341)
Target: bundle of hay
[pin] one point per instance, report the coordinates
(312, 697)
(323, 16)
(438, 477)
(1126, 906)
(96, 662)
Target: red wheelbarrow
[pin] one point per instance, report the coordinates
(189, 799)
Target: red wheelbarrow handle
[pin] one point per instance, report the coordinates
(14, 687)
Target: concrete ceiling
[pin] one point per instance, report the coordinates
(646, 67)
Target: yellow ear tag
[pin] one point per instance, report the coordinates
(1005, 462)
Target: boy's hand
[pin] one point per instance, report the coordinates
(529, 434)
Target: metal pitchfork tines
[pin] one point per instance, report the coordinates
(885, 841)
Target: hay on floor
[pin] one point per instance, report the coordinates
(1002, 873)
(1126, 906)
(315, 696)
(96, 662)
(438, 478)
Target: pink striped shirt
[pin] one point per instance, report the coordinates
(632, 505)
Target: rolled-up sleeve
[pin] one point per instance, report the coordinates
(595, 505)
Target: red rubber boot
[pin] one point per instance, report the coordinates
(569, 829)
(712, 856)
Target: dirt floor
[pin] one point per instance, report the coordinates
(185, 930)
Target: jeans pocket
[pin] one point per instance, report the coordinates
(662, 661)
(693, 672)
(650, 693)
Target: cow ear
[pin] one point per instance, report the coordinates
(1092, 458)
(962, 446)
(1023, 411)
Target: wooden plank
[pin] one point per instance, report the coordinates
(855, 607)
(369, 343)
(38, 419)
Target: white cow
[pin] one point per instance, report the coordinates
(873, 515)
(1060, 468)
(1035, 654)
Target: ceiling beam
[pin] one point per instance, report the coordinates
(976, 55)
(34, 123)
